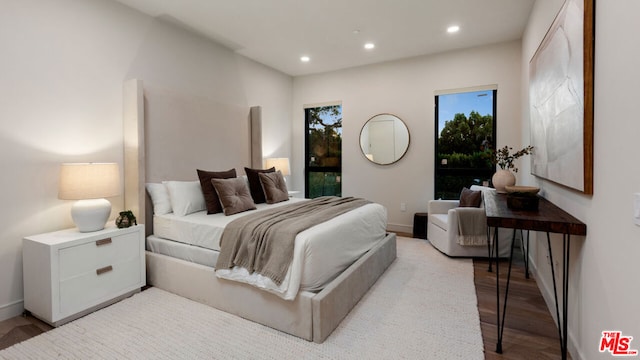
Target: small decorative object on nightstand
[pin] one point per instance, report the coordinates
(68, 274)
(126, 219)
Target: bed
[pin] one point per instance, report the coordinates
(182, 263)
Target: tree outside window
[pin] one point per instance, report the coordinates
(465, 137)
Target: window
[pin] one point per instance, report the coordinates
(323, 144)
(465, 137)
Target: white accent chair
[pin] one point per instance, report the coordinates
(442, 229)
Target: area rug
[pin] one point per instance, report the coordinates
(423, 307)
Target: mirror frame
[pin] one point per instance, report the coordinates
(406, 149)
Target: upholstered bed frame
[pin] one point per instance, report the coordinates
(311, 316)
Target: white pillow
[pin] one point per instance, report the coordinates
(160, 198)
(186, 196)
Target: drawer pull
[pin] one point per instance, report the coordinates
(104, 270)
(103, 242)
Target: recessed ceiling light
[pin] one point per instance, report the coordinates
(305, 58)
(453, 29)
(369, 46)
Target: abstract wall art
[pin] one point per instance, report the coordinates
(561, 99)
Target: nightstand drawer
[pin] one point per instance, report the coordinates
(100, 284)
(86, 258)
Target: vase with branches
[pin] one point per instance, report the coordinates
(504, 158)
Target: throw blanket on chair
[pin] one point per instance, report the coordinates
(264, 242)
(472, 226)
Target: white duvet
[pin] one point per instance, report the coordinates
(321, 252)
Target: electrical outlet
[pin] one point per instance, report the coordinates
(403, 206)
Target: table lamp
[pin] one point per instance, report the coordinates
(89, 183)
(281, 164)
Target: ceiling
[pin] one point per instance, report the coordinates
(333, 32)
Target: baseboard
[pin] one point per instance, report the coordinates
(11, 309)
(546, 290)
(400, 228)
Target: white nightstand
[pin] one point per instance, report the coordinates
(294, 193)
(68, 274)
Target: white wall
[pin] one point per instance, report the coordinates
(406, 89)
(62, 69)
(604, 287)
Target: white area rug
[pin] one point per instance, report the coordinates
(423, 307)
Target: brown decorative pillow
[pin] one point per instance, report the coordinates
(210, 196)
(275, 189)
(254, 183)
(234, 195)
(470, 198)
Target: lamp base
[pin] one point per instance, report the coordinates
(91, 215)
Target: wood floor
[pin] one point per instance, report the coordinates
(20, 328)
(529, 333)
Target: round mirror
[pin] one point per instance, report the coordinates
(384, 139)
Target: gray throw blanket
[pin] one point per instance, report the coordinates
(472, 226)
(263, 242)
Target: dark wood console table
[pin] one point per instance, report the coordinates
(549, 219)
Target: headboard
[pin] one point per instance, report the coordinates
(168, 135)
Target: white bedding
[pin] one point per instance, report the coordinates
(320, 252)
(199, 228)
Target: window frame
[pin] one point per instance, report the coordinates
(439, 171)
(307, 148)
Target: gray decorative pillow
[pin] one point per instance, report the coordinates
(234, 195)
(275, 189)
(470, 198)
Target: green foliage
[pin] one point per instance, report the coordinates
(325, 135)
(476, 160)
(326, 116)
(466, 144)
(325, 149)
(449, 187)
(466, 135)
(324, 184)
(505, 159)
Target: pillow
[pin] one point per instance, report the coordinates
(254, 183)
(275, 189)
(210, 196)
(160, 198)
(470, 198)
(234, 195)
(186, 196)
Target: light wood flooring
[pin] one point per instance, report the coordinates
(530, 332)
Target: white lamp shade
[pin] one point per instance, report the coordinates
(281, 164)
(89, 183)
(79, 181)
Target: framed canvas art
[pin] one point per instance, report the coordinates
(561, 99)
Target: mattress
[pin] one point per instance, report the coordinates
(321, 252)
(199, 228)
(191, 253)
